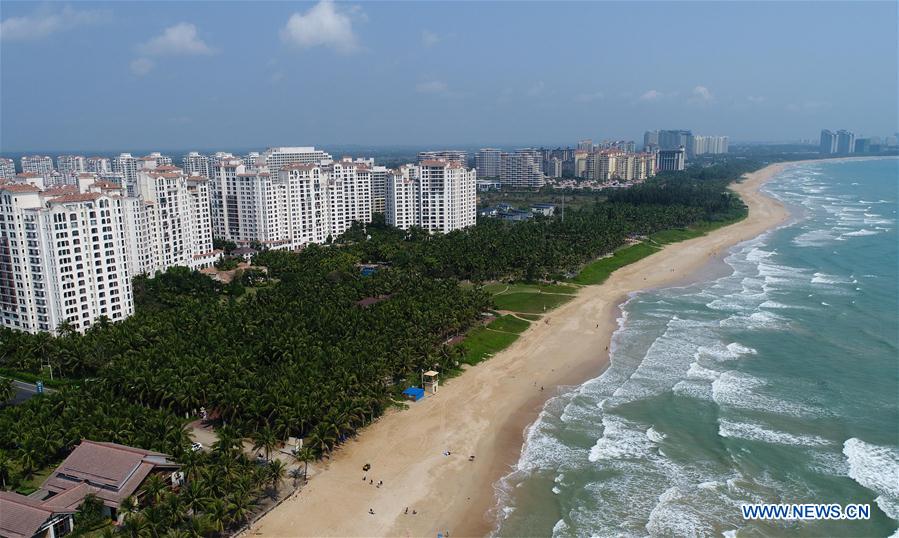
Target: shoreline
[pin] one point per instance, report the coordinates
(486, 411)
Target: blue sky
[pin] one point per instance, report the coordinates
(95, 76)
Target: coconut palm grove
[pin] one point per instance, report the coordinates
(309, 347)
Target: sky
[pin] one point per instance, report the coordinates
(117, 75)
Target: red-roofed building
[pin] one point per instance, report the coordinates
(109, 471)
(24, 517)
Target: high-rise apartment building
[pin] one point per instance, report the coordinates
(7, 168)
(488, 162)
(553, 167)
(68, 165)
(275, 158)
(301, 203)
(63, 259)
(828, 143)
(126, 165)
(97, 165)
(195, 163)
(845, 142)
(445, 155)
(671, 160)
(707, 145)
(68, 253)
(674, 139)
(179, 206)
(38, 164)
(650, 140)
(522, 169)
(402, 200)
(438, 195)
(585, 145)
(379, 188)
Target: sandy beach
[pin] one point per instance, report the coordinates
(485, 411)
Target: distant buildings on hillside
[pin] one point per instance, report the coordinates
(845, 142)
(694, 145)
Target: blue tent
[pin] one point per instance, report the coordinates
(414, 393)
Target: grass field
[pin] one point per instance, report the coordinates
(509, 324)
(530, 298)
(482, 342)
(500, 288)
(597, 272)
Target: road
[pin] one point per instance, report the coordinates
(24, 391)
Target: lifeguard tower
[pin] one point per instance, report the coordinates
(429, 381)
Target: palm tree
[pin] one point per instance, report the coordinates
(275, 469)
(217, 514)
(6, 390)
(305, 455)
(265, 439)
(154, 487)
(241, 507)
(5, 469)
(195, 496)
(228, 441)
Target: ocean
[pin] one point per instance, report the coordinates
(778, 383)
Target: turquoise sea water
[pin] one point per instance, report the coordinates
(777, 383)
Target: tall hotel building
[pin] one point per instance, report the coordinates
(301, 203)
(38, 164)
(488, 162)
(437, 195)
(445, 155)
(7, 168)
(68, 253)
(68, 165)
(98, 165)
(194, 163)
(671, 160)
(63, 258)
(275, 158)
(522, 169)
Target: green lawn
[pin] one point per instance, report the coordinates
(529, 317)
(597, 272)
(501, 288)
(482, 342)
(529, 302)
(509, 324)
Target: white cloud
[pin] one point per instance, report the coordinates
(701, 94)
(141, 66)
(755, 99)
(536, 89)
(651, 95)
(429, 39)
(433, 86)
(180, 39)
(44, 22)
(277, 77)
(589, 97)
(322, 26)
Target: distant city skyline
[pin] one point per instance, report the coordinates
(98, 77)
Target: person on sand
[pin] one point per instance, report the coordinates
(407, 510)
(370, 511)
